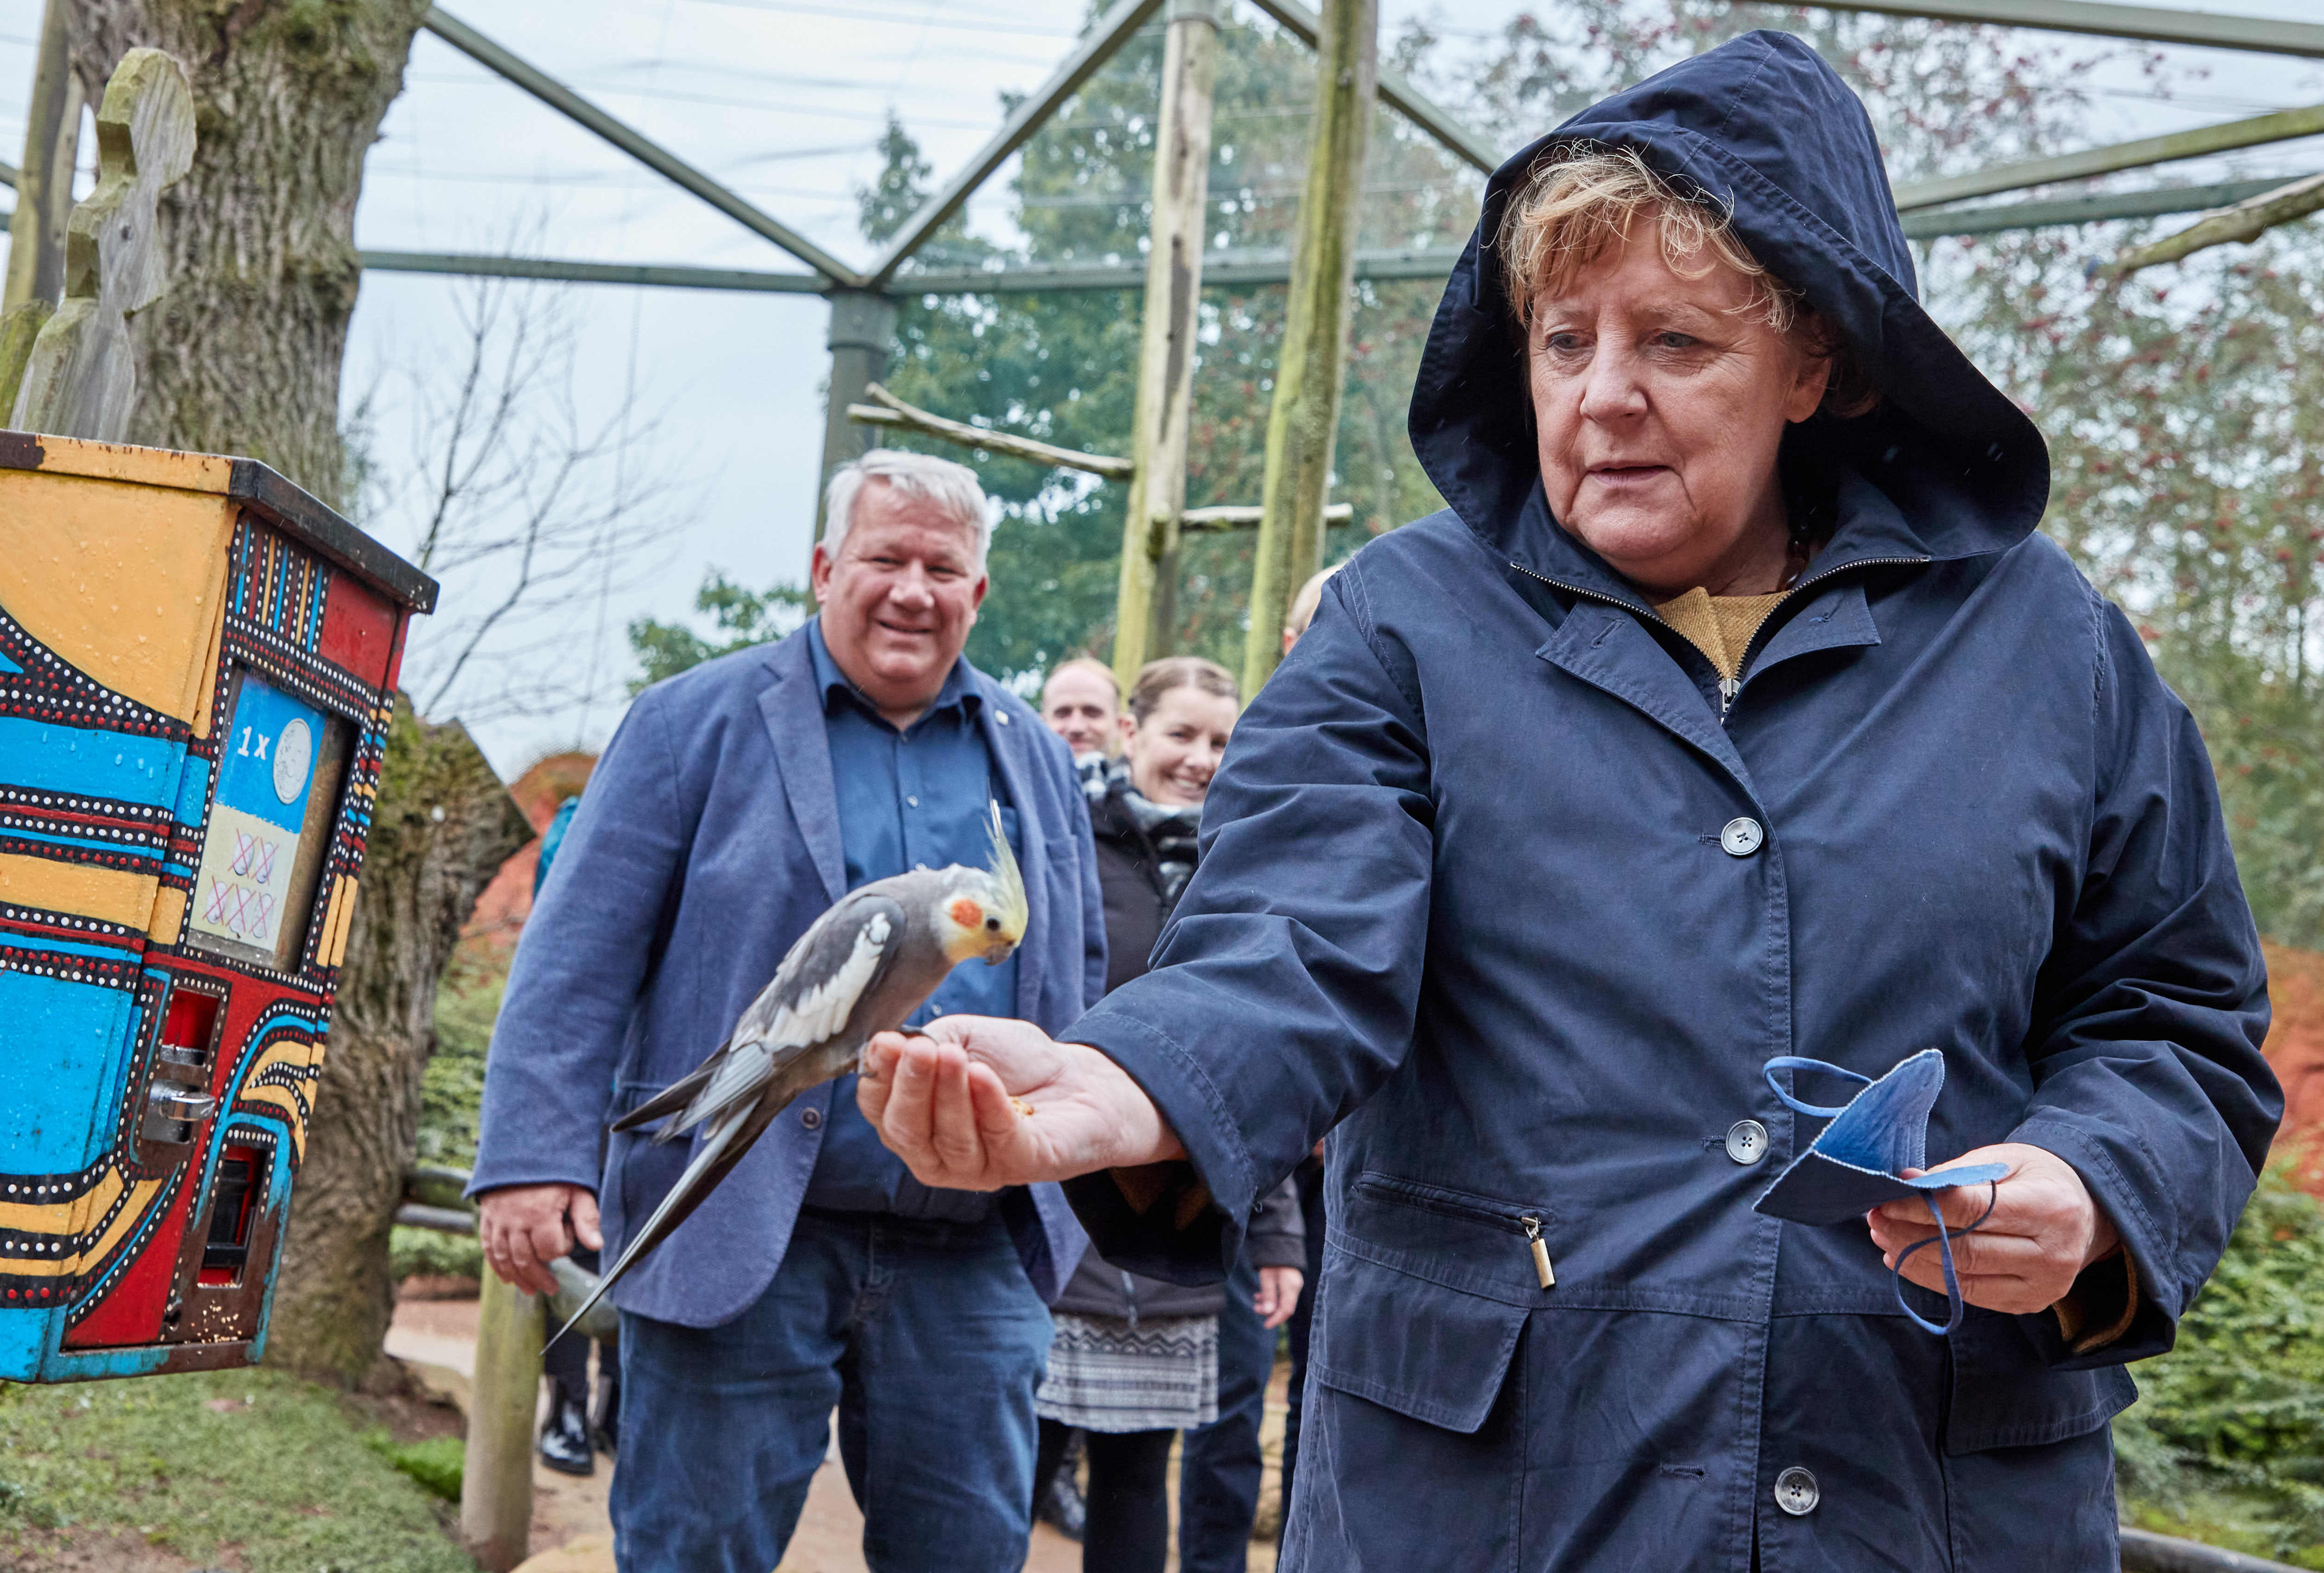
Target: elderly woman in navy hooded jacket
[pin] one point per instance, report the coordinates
(1734, 710)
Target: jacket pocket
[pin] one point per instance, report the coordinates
(2005, 1395)
(1425, 1290)
(1432, 1353)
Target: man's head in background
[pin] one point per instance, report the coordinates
(1303, 607)
(1081, 706)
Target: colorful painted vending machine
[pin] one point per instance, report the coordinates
(197, 666)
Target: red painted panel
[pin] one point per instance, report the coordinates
(359, 627)
(132, 1313)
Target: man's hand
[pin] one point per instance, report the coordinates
(982, 1103)
(2046, 1228)
(525, 1228)
(1278, 1295)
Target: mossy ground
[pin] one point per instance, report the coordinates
(249, 1469)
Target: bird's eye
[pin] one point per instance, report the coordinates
(993, 924)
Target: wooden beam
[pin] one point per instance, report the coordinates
(2281, 126)
(1397, 92)
(1239, 516)
(2245, 222)
(1304, 420)
(889, 410)
(1146, 606)
(647, 151)
(1097, 46)
(2004, 217)
(2148, 23)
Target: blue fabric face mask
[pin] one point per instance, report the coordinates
(1858, 1162)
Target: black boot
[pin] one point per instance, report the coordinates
(602, 1426)
(1062, 1506)
(565, 1439)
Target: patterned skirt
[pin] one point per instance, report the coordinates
(1107, 1375)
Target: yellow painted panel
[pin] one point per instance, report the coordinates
(114, 894)
(125, 582)
(169, 916)
(67, 455)
(140, 1198)
(345, 919)
(60, 1217)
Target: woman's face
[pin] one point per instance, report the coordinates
(1659, 407)
(1174, 752)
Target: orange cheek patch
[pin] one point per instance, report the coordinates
(966, 913)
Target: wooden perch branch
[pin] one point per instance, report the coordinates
(887, 410)
(1239, 517)
(2245, 222)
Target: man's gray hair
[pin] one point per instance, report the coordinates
(951, 487)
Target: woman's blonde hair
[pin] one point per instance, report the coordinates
(1157, 679)
(1580, 202)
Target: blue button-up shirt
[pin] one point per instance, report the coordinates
(909, 799)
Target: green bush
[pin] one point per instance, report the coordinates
(2227, 1443)
(437, 1464)
(434, 1253)
(452, 1089)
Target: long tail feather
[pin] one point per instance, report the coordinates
(674, 1097)
(719, 1151)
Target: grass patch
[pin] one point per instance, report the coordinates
(437, 1462)
(275, 1470)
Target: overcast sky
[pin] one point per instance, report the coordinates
(782, 100)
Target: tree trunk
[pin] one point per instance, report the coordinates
(242, 355)
(443, 825)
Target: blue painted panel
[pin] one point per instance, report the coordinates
(193, 791)
(23, 1339)
(8, 666)
(64, 1050)
(269, 755)
(95, 764)
(89, 1364)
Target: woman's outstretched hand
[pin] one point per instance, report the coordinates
(2046, 1228)
(981, 1103)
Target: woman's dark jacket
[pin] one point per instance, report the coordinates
(1138, 895)
(1464, 897)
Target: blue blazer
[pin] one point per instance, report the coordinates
(708, 842)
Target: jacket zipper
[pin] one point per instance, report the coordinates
(1729, 688)
(1527, 1224)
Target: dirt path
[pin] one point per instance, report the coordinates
(570, 1531)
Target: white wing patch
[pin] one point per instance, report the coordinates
(825, 1008)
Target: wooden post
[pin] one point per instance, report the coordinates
(36, 232)
(81, 378)
(863, 325)
(496, 1475)
(1145, 612)
(1309, 374)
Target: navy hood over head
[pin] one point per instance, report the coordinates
(1762, 128)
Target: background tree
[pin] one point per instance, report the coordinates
(243, 355)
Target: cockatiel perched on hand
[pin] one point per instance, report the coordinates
(859, 968)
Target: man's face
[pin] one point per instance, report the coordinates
(1078, 704)
(899, 600)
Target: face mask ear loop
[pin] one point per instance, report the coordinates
(1793, 1063)
(1960, 1307)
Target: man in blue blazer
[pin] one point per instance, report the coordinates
(734, 805)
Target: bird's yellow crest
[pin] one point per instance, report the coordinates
(1014, 912)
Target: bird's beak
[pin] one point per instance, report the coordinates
(1010, 884)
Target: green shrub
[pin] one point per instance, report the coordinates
(2227, 1443)
(434, 1253)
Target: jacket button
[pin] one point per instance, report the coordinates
(1797, 1493)
(1742, 837)
(1747, 1142)
(810, 1118)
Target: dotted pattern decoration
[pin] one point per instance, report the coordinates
(51, 689)
(95, 831)
(32, 941)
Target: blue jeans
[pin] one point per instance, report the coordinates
(1219, 1465)
(927, 1337)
